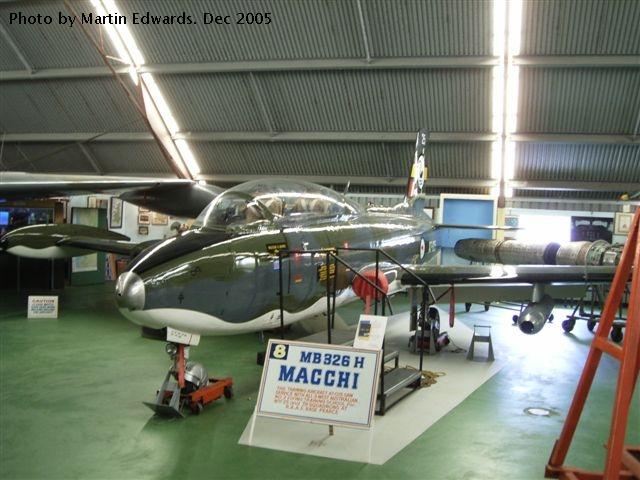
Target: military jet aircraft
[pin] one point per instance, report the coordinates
(247, 248)
(222, 276)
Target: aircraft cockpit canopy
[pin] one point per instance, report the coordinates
(271, 199)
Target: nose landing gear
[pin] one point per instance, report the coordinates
(187, 385)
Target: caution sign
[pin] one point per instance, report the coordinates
(275, 248)
(322, 272)
(329, 384)
(42, 306)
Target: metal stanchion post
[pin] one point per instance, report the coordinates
(281, 294)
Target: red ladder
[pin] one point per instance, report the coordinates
(618, 455)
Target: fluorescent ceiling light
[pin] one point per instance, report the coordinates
(504, 98)
(187, 156)
(499, 14)
(129, 53)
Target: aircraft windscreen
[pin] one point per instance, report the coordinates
(266, 199)
(231, 209)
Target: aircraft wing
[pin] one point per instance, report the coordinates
(506, 274)
(475, 227)
(478, 284)
(534, 285)
(177, 197)
(99, 244)
(66, 240)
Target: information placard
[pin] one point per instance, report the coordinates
(316, 383)
(370, 332)
(184, 338)
(42, 306)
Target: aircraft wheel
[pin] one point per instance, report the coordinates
(196, 408)
(434, 320)
(515, 319)
(616, 334)
(568, 325)
(228, 392)
(486, 306)
(591, 324)
(467, 307)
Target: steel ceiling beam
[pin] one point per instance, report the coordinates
(363, 31)
(400, 63)
(577, 61)
(332, 137)
(16, 50)
(356, 180)
(574, 138)
(449, 137)
(259, 66)
(90, 158)
(574, 186)
(250, 137)
(75, 137)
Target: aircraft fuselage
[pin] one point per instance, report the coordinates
(210, 282)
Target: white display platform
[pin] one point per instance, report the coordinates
(403, 422)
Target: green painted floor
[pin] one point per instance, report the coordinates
(71, 392)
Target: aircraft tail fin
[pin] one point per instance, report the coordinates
(419, 171)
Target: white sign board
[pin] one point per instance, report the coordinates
(310, 382)
(184, 338)
(370, 332)
(42, 307)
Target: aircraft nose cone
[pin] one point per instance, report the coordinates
(130, 291)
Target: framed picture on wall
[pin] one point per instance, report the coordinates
(143, 230)
(159, 219)
(144, 219)
(511, 221)
(622, 223)
(143, 210)
(115, 213)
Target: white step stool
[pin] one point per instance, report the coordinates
(485, 338)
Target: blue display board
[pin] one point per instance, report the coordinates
(465, 211)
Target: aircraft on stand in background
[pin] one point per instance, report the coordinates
(221, 276)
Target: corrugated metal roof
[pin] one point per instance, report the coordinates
(130, 157)
(298, 30)
(53, 45)
(393, 100)
(46, 157)
(400, 190)
(257, 158)
(112, 158)
(580, 27)
(434, 28)
(8, 59)
(565, 204)
(356, 159)
(12, 159)
(589, 163)
(459, 160)
(213, 102)
(579, 100)
(87, 105)
(566, 195)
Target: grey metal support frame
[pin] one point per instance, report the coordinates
(402, 378)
